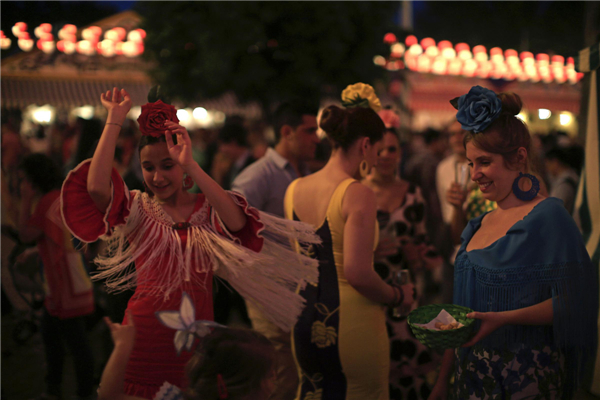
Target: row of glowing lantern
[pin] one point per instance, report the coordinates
(446, 59)
(115, 41)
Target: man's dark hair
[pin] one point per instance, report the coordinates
(290, 113)
(431, 135)
(42, 171)
(234, 132)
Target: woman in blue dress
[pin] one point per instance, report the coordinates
(523, 269)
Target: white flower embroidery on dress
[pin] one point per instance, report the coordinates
(185, 322)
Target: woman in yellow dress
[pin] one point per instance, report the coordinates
(340, 342)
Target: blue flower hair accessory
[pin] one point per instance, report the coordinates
(477, 109)
(185, 322)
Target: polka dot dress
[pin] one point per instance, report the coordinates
(410, 360)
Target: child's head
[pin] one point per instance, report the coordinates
(232, 363)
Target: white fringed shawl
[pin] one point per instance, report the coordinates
(137, 229)
(267, 278)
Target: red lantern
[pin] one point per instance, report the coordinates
(389, 38)
(410, 40)
(445, 44)
(542, 57)
(96, 30)
(558, 60)
(479, 49)
(426, 42)
(461, 47)
(511, 53)
(121, 32)
(496, 51)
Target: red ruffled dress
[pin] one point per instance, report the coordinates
(169, 258)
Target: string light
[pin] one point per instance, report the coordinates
(447, 59)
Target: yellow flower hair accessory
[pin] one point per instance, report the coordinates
(360, 95)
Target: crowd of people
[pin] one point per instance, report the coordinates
(230, 269)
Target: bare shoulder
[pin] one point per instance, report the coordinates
(359, 197)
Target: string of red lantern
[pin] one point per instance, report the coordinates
(447, 59)
(116, 41)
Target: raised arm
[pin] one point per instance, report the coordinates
(118, 104)
(232, 216)
(113, 377)
(360, 207)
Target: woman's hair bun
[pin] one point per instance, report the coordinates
(511, 103)
(331, 120)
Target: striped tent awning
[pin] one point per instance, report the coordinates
(22, 92)
(62, 93)
(433, 93)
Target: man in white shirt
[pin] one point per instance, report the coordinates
(446, 169)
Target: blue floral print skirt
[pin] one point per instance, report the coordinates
(525, 373)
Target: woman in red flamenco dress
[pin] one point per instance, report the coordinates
(177, 240)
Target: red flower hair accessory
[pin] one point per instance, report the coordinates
(153, 117)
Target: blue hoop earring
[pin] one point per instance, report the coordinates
(531, 193)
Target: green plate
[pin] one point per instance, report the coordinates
(450, 339)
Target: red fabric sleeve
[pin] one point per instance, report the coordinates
(81, 216)
(249, 235)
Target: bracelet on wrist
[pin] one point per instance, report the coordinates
(398, 296)
(113, 123)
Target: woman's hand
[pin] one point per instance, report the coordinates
(456, 195)
(182, 151)
(490, 321)
(123, 336)
(118, 104)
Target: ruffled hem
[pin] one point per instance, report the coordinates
(79, 212)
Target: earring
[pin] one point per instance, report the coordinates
(531, 193)
(150, 193)
(187, 182)
(364, 169)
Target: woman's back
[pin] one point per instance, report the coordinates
(312, 195)
(329, 336)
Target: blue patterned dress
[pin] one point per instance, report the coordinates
(541, 257)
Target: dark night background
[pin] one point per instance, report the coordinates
(268, 50)
(537, 26)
